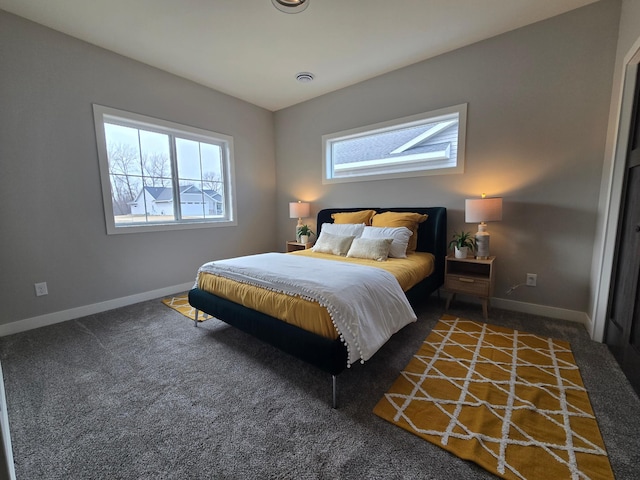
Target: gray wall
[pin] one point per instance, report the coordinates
(629, 26)
(51, 210)
(538, 108)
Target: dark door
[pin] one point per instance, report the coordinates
(622, 333)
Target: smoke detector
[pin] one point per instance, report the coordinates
(305, 77)
(290, 6)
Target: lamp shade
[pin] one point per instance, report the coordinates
(482, 210)
(298, 209)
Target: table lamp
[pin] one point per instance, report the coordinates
(298, 210)
(482, 210)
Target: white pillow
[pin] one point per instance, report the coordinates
(400, 236)
(334, 244)
(344, 229)
(371, 248)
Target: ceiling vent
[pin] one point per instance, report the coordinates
(290, 6)
(305, 77)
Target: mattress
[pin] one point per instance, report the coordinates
(308, 314)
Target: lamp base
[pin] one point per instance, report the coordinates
(297, 237)
(482, 242)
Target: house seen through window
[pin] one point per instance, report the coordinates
(426, 144)
(159, 175)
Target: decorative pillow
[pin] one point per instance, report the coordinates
(371, 248)
(402, 219)
(344, 229)
(399, 235)
(363, 216)
(334, 244)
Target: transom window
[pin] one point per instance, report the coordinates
(159, 175)
(431, 143)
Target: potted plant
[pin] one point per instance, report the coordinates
(304, 232)
(463, 242)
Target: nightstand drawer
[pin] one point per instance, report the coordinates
(470, 276)
(469, 285)
(293, 246)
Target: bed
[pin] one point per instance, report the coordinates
(330, 354)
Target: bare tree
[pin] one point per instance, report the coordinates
(128, 174)
(123, 162)
(130, 170)
(212, 181)
(157, 170)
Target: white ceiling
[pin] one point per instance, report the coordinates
(250, 50)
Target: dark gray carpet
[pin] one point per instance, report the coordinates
(139, 393)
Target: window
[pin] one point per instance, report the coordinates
(431, 143)
(159, 175)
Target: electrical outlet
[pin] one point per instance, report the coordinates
(532, 279)
(41, 289)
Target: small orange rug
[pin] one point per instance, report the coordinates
(510, 401)
(180, 303)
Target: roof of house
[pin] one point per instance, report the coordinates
(165, 194)
(392, 144)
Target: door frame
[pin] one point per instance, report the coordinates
(605, 247)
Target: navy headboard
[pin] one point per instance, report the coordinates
(432, 233)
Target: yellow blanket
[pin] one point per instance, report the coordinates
(304, 313)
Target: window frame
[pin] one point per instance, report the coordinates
(104, 114)
(328, 167)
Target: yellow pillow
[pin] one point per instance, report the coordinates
(363, 216)
(402, 219)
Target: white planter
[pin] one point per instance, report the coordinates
(304, 239)
(462, 252)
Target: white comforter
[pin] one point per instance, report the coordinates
(366, 304)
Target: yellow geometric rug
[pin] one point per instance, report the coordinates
(510, 401)
(181, 304)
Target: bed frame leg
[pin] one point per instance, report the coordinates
(334, 403)
(195, 321)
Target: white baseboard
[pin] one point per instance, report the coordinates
(534, 309)
(544, 311)
(64, 315)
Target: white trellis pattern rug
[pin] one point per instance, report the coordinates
(511, 401)
(180, 303)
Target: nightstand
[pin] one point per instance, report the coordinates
(292, 246)
(470, 276)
